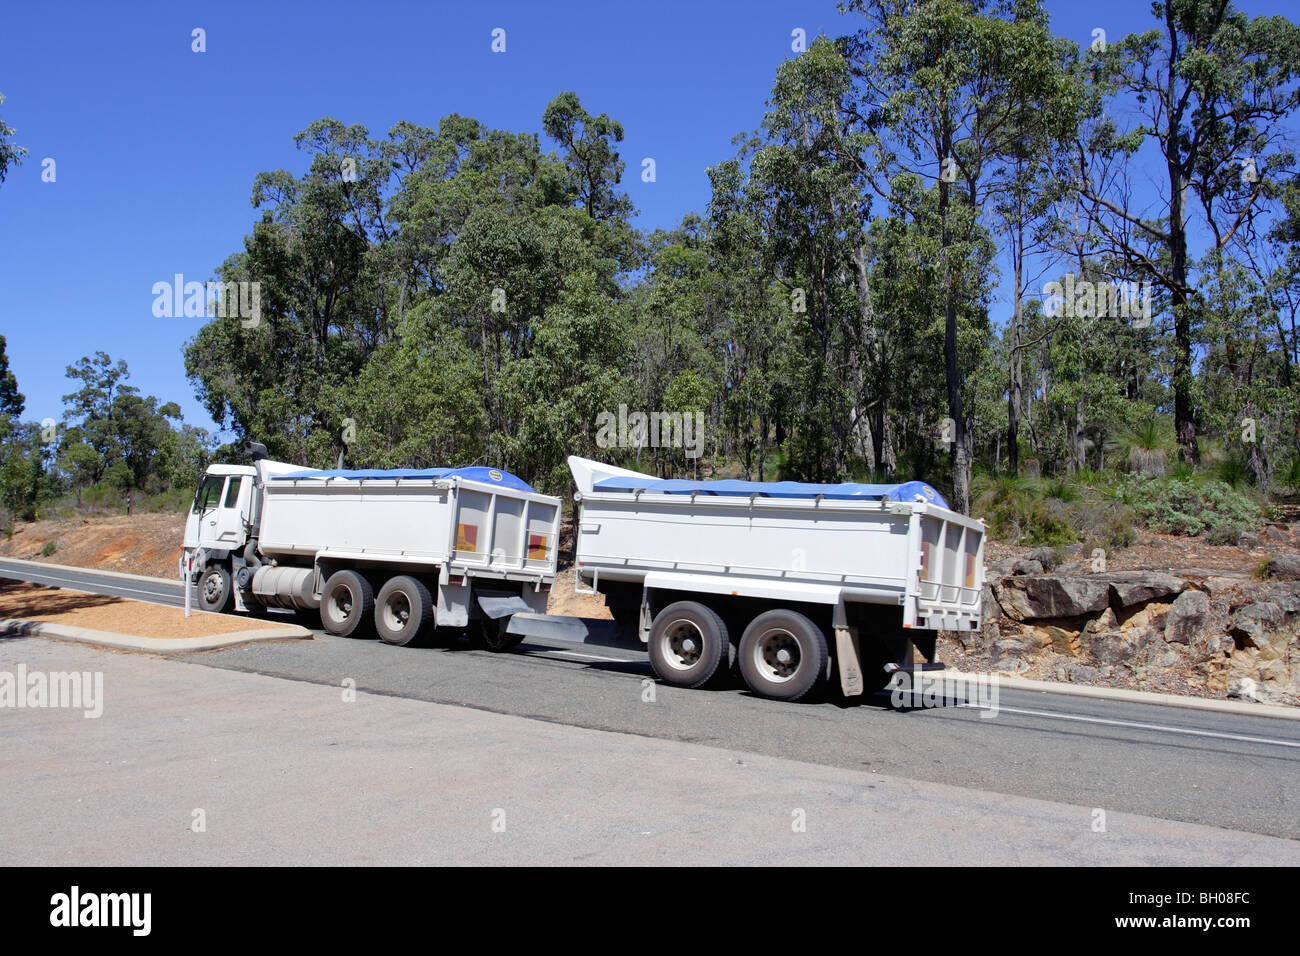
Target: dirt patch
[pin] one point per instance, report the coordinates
(564, 600)
(148, 544)
(32, 602)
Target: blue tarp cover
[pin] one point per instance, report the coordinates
(907, 491)
(488, 476)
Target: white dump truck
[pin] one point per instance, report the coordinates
(395, 552)
(789, 581)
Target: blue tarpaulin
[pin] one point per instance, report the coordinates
(488, 476)
(851, 491)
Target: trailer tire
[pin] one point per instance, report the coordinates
(215, 591)
(783, 655)
(347, 604)
(491, 634)
(403, 611)
(689, 644)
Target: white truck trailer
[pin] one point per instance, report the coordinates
(394, 552)
(795, 580)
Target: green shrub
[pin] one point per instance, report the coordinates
(1017, 510)
(49, 549)
(1234, 472)
(1184, 507)
(1289, 475)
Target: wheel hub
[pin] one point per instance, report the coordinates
(398, 612)
(684, 643)
(776, 655)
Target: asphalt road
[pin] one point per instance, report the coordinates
(1223, 770)
(135, 587)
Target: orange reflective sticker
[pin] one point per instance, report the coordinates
(536, 547)
(467, 537)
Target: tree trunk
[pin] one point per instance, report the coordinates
(1184, 425)
(1016, 372)
(951, 368)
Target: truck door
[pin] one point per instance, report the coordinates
(229, 524)
(220, 518)
(206, 500)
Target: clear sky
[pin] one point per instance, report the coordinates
(156, 146)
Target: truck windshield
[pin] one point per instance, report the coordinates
(209, 493)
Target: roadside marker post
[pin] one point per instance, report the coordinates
(189, 568)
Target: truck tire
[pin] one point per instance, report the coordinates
(215, 591)
(403, 611)
(689, 644)
(347, 604)
(491, 634)
(783, 655)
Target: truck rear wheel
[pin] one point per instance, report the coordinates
(215, 592)
(403, 611)
(347, 604)
(783, 655)
(689, 644)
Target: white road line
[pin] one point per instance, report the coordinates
(589, 657)
(1140, 726)
(76, 585)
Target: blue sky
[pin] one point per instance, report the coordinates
(156, 146)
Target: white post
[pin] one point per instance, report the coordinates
(189, 564)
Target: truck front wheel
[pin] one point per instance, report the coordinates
(347, 604)
(689, 644)
(403, 611)
(783, 655)
(215, 592)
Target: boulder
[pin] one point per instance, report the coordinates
(1287, 597)
(1010, 567)
(1110, 647)
(1250, 624)
(1105, 621)
(1049, 596)
(1187, 615)
(1081, 673)
(1284, 566)
(1049, 558)
(1062, 638)
(1138, 587)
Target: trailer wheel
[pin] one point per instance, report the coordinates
(347, 604)
(783, 655)
(215, 592)
(688, 644)
(403, 611)
(491, 633)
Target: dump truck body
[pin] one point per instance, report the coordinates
(451, 536)
(886, 559)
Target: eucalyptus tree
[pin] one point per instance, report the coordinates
(951, 83)
(1213, 89)
(11, 154)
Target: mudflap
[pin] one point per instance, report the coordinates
(497, 605)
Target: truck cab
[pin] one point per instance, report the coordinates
(221, 513)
